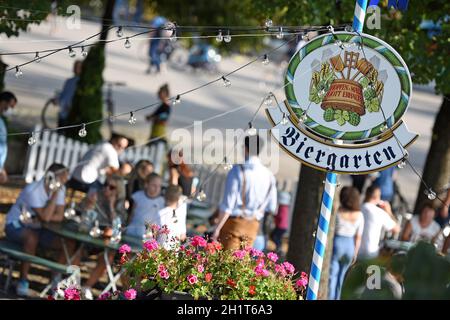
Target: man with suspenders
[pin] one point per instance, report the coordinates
(250, 191)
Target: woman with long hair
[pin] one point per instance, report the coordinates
(180, 174)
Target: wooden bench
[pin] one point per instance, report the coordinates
(11, 253)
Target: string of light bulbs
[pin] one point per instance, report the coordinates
(174, 99)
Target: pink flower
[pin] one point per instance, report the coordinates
(155, 227)
(200, 268)
(239, 254)
(130, 294)
(71, 293)
(256, 253)
(260, 271)
(289, 267)
(208, 277)
(151, 245)
(198, 241)
(164, 274)
(279, 268)
(304, 275)
(161, 267)
(301, 283)
(164, 230)
(124, 249)
(272, 256)
(192, 279)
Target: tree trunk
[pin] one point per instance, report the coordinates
(304, 222)
(437, 167)
(107, 20)
(3, 67)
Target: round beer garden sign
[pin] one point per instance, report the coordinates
(345, 101)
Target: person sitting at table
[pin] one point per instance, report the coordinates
(422, 226)
(145, 207)
(377, 216)
(173, 216)
(100, 161)
(108, 202)
(137, 177)
(40, 201)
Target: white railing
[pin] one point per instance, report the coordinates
(51, 147)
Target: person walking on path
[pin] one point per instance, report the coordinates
(250, 191)
(347, 239)
(160, 117)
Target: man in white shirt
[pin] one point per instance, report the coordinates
(377, 216)
(250, 191)
(97, 163)
(173, 216)
(40, 201)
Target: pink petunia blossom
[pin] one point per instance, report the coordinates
(130, 294)
(301, 283)
(192, 279)
(289, 267)
(71, 293)
(256, 253)
(239, 254)
(164, 274)
(198, 241)
(161, 267)
(124, 249)
(279, 268)
(151, 245)
(272, 256)
(304, 275)
(200, 268)
(208, 277)
(260, 271)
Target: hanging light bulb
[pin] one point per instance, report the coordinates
(430, 194)
(348, 28)
(402, 164)
(201, 196)
(265, 60)
(177, 100)
(83, 132)
(280, 33)
(251, 131)
(227, 38)
(72, 52)
(284, 121)
(173, 36)
(83, 52)
(268, 101)
(19, 72)
(127, 43)
(119, 32)
(37, 59)
(268, 23)
(32, 139)
(132, 119)
(227, 166)
(226, 82)
(303, 118)
(384, 127)
(219, 37)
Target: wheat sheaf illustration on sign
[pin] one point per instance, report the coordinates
(346, 87)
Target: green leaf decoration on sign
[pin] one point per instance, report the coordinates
(373, 105)
(341, 116)
(328, 115)
(354, 119)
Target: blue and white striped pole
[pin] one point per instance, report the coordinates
(328, 194)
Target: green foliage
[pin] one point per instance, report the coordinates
(87, 103)
(320, 83)
(427, 58)
(216, 13)
(425, 274)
